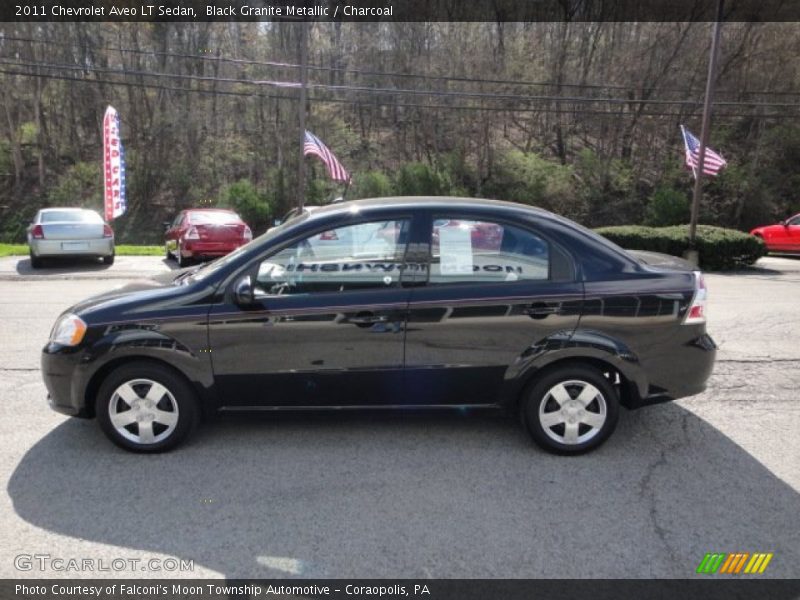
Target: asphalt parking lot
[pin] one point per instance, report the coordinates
(413, 495)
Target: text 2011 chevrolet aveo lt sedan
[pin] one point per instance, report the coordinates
(390, 303)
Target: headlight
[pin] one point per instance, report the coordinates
(68, 331)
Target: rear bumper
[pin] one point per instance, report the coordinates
(202, 248)
(97, 247)
(686, 375)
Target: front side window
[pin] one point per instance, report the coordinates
(363, 256)
(467, 251)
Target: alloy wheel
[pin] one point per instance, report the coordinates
(572, 412)
(143, 411)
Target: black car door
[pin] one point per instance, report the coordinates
(327, 324)
(494, 290)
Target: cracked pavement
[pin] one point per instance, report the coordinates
(417, 495)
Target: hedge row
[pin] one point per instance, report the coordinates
(718, 248)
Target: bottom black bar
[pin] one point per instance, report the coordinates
(425, 589)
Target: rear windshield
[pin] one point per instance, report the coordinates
(70, 216)
(212, 218)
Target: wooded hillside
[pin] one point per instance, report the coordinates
(579, 118)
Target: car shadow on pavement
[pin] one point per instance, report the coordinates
(61, 266)
(373, 494)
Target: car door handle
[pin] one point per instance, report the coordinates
(540, 310)
(367, 319)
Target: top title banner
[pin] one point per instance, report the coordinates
(395, 10)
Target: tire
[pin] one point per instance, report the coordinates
(167, 253)
(150, 427)
(571, 410)
(108, 260)
(36, 262)
(181, 259)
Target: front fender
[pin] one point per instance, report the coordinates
(121, 343)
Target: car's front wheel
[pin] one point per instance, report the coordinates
(571, 410)
(146, 407)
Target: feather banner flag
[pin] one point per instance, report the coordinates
(113, 166)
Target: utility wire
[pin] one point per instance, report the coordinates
(393, 91)
(364, 72)
(376, 104)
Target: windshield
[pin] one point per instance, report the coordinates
(204, 271)
(70, 216)
(213, 217)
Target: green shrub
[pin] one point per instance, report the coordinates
(418, 179)
(80, 185)
(372, 184)
(718, 248)
(253, 207)
(667, 206)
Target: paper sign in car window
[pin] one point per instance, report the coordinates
(455, 248)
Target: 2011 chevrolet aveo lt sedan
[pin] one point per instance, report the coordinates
(390, 303)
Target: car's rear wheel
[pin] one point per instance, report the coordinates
(146, 407)
(36, 262)
(180, 258)
(571, 410)
(108, 260)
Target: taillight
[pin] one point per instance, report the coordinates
(107, 231)
(247, 235)
(37, 232)
(697, 309)
(192, 234)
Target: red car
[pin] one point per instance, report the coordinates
(199, 233)
(783, 237)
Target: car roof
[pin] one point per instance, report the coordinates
(444, 202)
(227, 210)
(60, 208)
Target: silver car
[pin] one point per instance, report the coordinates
(69, 232)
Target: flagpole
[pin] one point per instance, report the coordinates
(698, 176)
(301, 114)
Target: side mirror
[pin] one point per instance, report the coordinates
(243, 291)
(785, 223)
(276, 222)
(166, 225)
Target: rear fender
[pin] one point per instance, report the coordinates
(566, 345)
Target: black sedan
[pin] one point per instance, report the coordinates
(391, 303)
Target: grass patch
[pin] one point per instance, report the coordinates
(121, 250)
(128, 250)
(13, 249)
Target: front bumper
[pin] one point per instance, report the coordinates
(96, 247)
(62, 378)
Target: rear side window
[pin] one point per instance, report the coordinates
(70, 216)
(212, 218)
(471, 251)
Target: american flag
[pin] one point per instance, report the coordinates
(313, 145)
(713, 163)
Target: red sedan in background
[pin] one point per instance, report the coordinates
(783, 237)
(199, 233)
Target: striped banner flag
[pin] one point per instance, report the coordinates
(314, 146)
(713, 163)
(113, 166)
